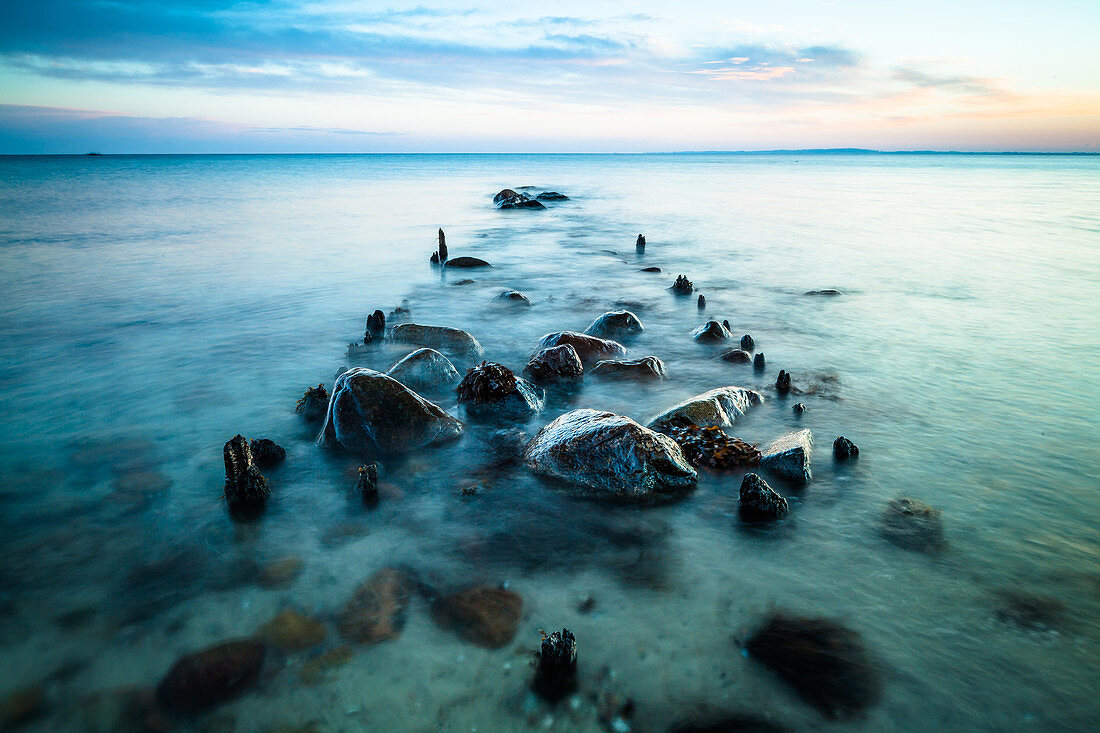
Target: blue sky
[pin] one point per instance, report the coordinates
(341, 75)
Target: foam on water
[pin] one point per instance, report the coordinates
(156, 306)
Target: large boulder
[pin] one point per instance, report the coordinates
(487, 617)
(491, 388)
(648, 367)
(371, 412)
(590, 349)
(554, 363)
(436, 337)
(616, 324)
(789, 456)
(509, 199)
(604, 455)
(711, 332)
(716, 408)
(378, 609)
(424, 368)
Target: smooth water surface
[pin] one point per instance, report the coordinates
(155, 306)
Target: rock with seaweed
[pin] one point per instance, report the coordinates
(711, 447)
(366, 483)
(509, 199)
(267, 453)
(492, 389)
(783, 382)
(513, 297)
(639, 244)
(843, 449)
(556, 671)
(372, 413)
(682, 286)
(759, 362)
(245, 488)
(747, 343)
(376, 324)
(313, 404)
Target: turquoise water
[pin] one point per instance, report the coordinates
(155, 306)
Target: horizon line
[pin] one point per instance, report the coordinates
(775, 151)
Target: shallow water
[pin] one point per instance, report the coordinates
(156, 306)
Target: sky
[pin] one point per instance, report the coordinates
(206, 76)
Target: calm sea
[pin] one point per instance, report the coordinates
(153, 307)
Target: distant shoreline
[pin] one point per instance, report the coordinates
(793, 151)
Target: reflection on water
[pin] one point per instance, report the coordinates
(155, 307)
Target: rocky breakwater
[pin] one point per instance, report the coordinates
(371, 412)
(608, 456)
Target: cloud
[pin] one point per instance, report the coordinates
(952, 83)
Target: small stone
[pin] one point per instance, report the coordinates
(912, 525)
(758, 362)
(736, 356)
(588, 605)
(651, 269)
(267, 453)
(711, 332)
(281, 573)
(843, 449)
(798, 408)
(556, 675)
(513, 297)
(466, 263)
(758, 501)
(313, 404)
(783, 382)
(702, 302)
(291, 631)
(205, 679)
(639, 245)
(747, 343)
(551, 196)
(487, 617)
(827, 291)
(366, 485)
(682, 286)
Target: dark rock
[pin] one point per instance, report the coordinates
(783, 382)
(726, 323)
(378, 610)
(21, 706)
(912, 525)
(823, 292)
(245, 488)
(556, 362)
(513, 297)
(366, 485)
(507, 445)
(441, 252)
(556, 675)
(615, 325)
(466, 262)
(651, 269)
(1029, 611)
(711, 332)
(747, 343)
(491, 387)
(682, 286)
(798, 408)
(464, 281)
(267, 453)
(291, 631)
(313, 404)
(702, 303)
(789, 456)
(639, 245)
(648, 367)
(359, 350)
(436, 337)
(603, 455)
(588, 605)
(718, 408)
(713, 448)
(424, 369)
(487, 617)
(434, 259)
(843, 449)
(203, 680)
(509, 199)
(590, 349)
(826, 663)
(758, 501)
(376, 324)
(552, 196)
(736, 356)
(758, 361)
(371, 412)
(504, 195)
(402, 311)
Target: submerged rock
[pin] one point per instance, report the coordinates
(747, 343)
(487, 617)
(366, 484)
(590, 349)
(701, 303)
(556, 674)
(509, 199)
(843, 449)
(710, 332)
(789, 456)
(639, 244)
(736, 356)
(491, 387)
(205, 679)
(371, 412)
(616, 324)
(758, 362)
(267, 453)
(758, 501)
(682, 286)
(280, 573)
(826, 663)
(378, 610)
(912, 525)
(290, 631)
(713, 448)
(827, 291)
(513, 297)
(424, 368)
(798, 408)
(651, 269)
(436, 337)
(245, 488)
(466, 263)
(1030, 611)
(718, 408)
(313, 404)
(648, 367)
(552, 196)
(609, 456)
(556, 362)
(783, 382)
